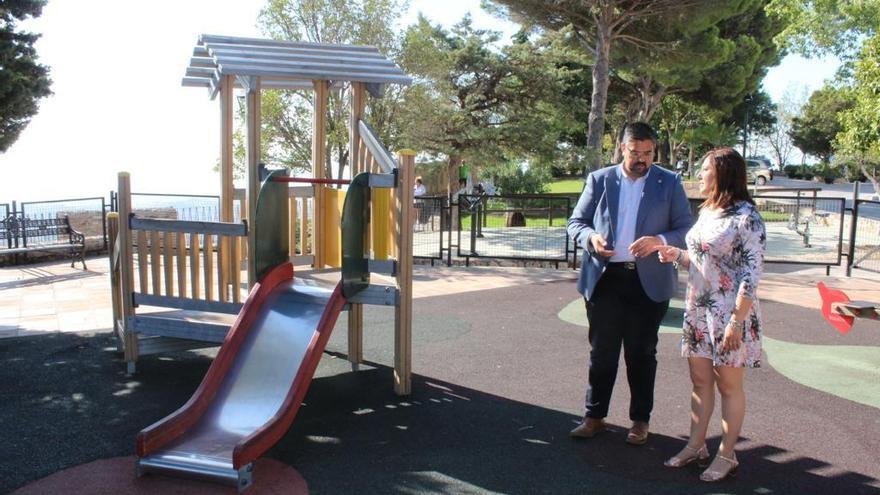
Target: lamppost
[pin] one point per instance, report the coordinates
(748, 100)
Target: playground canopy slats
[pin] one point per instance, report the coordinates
(286, 64)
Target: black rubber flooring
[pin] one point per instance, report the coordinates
(499, 383)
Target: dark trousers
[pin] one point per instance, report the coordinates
(621, 312)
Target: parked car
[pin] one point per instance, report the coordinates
(758, 172)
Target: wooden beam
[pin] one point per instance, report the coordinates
(253, 178)
(127, 270)
(356, 313)
(403, 311)
(319, 155)
(227, 187)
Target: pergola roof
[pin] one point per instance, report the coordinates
(287, 64)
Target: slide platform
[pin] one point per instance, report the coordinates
(253, 389)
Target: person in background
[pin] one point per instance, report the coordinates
(419, 189)
(722, 320)
(624, 214)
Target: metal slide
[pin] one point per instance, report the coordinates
(253, 388)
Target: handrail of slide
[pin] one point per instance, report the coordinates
(160, 433)
(377, 148)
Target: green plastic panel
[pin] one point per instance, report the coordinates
(355, 221)
(271, 224)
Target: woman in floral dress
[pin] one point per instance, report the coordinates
(722, 321)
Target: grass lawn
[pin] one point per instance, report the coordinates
(566, 186)
(496, 221)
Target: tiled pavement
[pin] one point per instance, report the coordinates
(52, 297)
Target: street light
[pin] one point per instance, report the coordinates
(748, 100)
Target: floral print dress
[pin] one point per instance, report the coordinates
(726, 253)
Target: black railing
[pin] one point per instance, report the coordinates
(522, 227)
(87, 216)
(196, 207)
(430, 228)
(864, 249)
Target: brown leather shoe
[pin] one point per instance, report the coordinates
(638, 433)
(588, 428)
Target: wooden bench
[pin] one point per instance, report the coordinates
(27, 235)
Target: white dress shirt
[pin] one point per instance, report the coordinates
(631, 192)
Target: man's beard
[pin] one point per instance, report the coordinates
(638, 169)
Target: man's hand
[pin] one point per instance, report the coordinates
(599, 243)
(645, 246)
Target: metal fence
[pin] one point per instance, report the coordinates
(803, 230)
(5, 237)
(86, 215)
(521, 227)
(864, 250)
(431, 228)
(197, 207)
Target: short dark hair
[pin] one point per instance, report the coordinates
(638, 131)
(731, 184)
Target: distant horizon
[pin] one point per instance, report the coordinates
(118, 103)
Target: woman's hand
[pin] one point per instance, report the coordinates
(668, 254)
(733, 337)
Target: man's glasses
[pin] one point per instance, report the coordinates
(644, 154)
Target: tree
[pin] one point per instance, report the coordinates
(286, 115)
(821, 27)
(860, 124)
(814, 130)
(679, 119)
(23, 81)
(777, 137)
(604, 29)
(471, 101)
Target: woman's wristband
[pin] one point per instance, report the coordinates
(737, 324)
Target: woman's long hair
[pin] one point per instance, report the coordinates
(731, 184)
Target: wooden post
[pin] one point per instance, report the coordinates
(356, 164)
(227, 187)
(115, 288)
(319, 155)
(253, 178)
(403, 311)
(126, 270)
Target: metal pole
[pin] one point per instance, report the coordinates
(850, 256)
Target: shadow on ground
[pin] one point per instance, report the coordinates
(66, 401)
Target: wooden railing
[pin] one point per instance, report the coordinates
(177, 264)
(301, 230)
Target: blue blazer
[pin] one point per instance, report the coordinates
(664, 209)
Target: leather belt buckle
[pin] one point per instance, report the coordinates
(629, 265)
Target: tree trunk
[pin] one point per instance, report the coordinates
(872, 176)
(452, 171)
(596, 127)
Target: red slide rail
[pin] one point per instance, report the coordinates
(158, 434)
(305, 180)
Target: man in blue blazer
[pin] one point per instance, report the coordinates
(624, 214)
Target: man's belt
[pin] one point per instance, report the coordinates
(624, 265)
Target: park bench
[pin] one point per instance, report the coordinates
(27, 235)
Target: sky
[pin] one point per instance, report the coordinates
(118, 104)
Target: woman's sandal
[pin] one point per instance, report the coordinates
(728, 469)
(688, 455)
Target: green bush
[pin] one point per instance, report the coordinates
(827, 172)
(851, 171)
(513, 178)
(791, 171)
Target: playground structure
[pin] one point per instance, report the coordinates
(256, 383)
